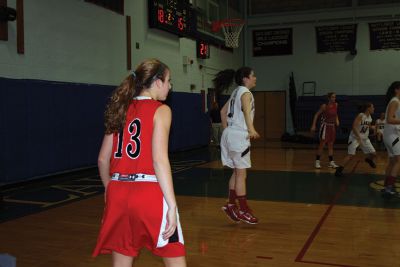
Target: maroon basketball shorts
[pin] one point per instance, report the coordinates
(327, 132)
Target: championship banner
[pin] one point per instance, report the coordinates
(336, 38)
(384, 35)
(272, 42)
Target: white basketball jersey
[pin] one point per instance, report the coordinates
(235, 112)
(363, 128)
(392, 128)
(380, 124)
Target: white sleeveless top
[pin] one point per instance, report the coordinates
(392, 128)
(380, 124)
(363, 127)
(235, 112)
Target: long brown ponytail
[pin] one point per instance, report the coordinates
(142, 78)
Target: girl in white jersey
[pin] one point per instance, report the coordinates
(359, 138)
(237, 120)
(391, 137)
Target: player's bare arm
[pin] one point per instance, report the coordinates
(104, 157)
(103, 161)
(337, 117)
(391, 116)
(162, 167)
(316, 116)
(373, 127)
(224, 116)
(246, 106)
(355, 125)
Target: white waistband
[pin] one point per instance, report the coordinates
(137, 177)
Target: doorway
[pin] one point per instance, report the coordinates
(270, 115)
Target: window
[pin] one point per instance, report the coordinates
(212, 11)
(114, 5)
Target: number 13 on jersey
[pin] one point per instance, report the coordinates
(132, 148)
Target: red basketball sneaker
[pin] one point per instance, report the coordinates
(231, 211)
(247, 217)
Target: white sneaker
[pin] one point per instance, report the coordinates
(332, 164)
(318, 164)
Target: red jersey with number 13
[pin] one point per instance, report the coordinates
(132, 147)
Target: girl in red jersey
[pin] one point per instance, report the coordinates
(140, 206)
(327, 132)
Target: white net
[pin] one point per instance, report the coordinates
(232, 33)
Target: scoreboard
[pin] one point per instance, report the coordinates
(174, 16)
(178, 17)
(202, 49)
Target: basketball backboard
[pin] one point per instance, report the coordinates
(209, 11)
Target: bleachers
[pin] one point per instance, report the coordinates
(307, 106)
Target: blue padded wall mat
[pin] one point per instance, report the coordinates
(48, 127)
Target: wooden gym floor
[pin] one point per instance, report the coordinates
(307, 217)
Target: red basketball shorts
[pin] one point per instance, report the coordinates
(327, 132)
(135, 217)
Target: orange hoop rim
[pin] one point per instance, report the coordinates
(217, 25)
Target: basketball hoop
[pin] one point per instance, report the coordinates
(231, 29)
